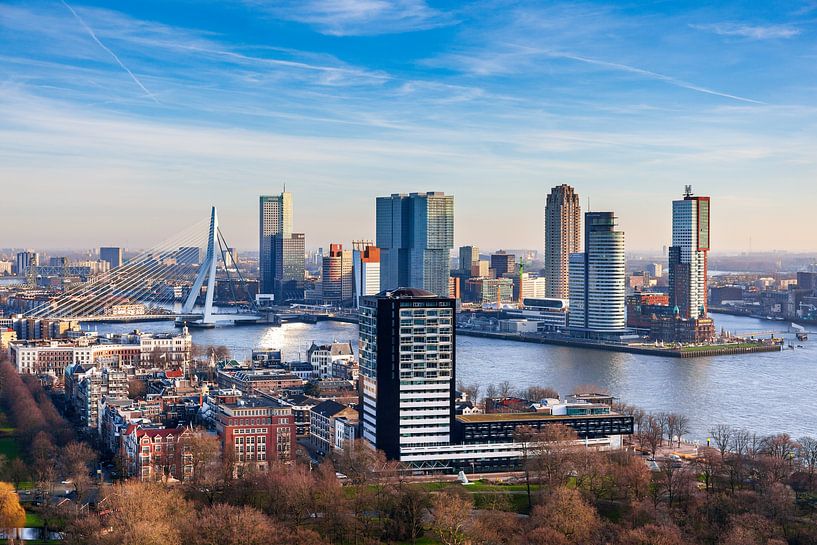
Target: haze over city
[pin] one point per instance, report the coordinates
(131, 122)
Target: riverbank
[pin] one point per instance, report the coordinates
(684, 352)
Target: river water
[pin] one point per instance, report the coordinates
(766, 393)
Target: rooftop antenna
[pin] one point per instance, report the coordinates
(588, 204)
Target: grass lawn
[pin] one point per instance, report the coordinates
(34, 520)
(718, 347)
(9, 447)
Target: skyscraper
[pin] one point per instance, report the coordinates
(469, 255)
(25, 260)
(562, 238)
(366, 265)
(597, 277)
(688, 255)
(503, 263)
(415, 234)
(407, 354)
(112, 255)
(281, 252)
(289, 268)
(337, 280)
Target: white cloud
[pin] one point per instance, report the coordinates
(359, 17)
(753, 32)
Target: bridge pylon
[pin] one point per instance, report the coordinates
(207, 271)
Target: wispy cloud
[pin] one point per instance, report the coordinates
(111, 53)
(752, 32)
(652, 75)
(359, 17)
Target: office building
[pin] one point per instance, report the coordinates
(366, 269)
(58, 262)
(24, 261)
(407, 396)
(112, 255)
(415, 234)
(407, 351)
(275, 226)
(469, 256)
(597, 278)
(290, 268)
(481, 269)
(688, 255)
(562, 238)
(188, 255)
(337, 280)
(503, 263)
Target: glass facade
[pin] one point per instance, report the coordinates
(415, 234)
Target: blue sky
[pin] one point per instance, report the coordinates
(121, 122)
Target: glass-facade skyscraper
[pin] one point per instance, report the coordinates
(597, 277)
(280, 252)
(415, 234)
(688, 255)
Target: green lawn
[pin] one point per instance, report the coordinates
(718, 347)
(34, 520)
(9, 447)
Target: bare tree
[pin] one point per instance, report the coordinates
(807, 455)
(504, 389)
(538, 393)
(721, 435)
(650, 434)
(450, 513)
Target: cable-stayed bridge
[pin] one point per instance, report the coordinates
(163, 282)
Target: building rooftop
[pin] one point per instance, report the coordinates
(328, 408)
(510, 417)
(406, 292)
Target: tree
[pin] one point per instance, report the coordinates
(550, 453)
(450, 513)
(139, 514)
(76, 461)
(230, 525)
(566, 513)
(652, 534)
(538, 393)
(807, 456)
(406, 512)
(650, 434)
(17, 472)
(471, 390)
(504, 389)
(204, 451)
(721, 435)
(12, 514)
(495, 528)
(361, 463)
(136, 388)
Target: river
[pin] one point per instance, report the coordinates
(765, 393)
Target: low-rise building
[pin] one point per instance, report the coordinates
(154, 453)
(323, 419)
(254, 430)
(322, 357)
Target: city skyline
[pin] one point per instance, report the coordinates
(171, 113)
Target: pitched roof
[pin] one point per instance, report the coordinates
(328, 408)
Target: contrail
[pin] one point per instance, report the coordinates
(654, 75)
(111, 53)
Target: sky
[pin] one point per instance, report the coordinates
(123, 122)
